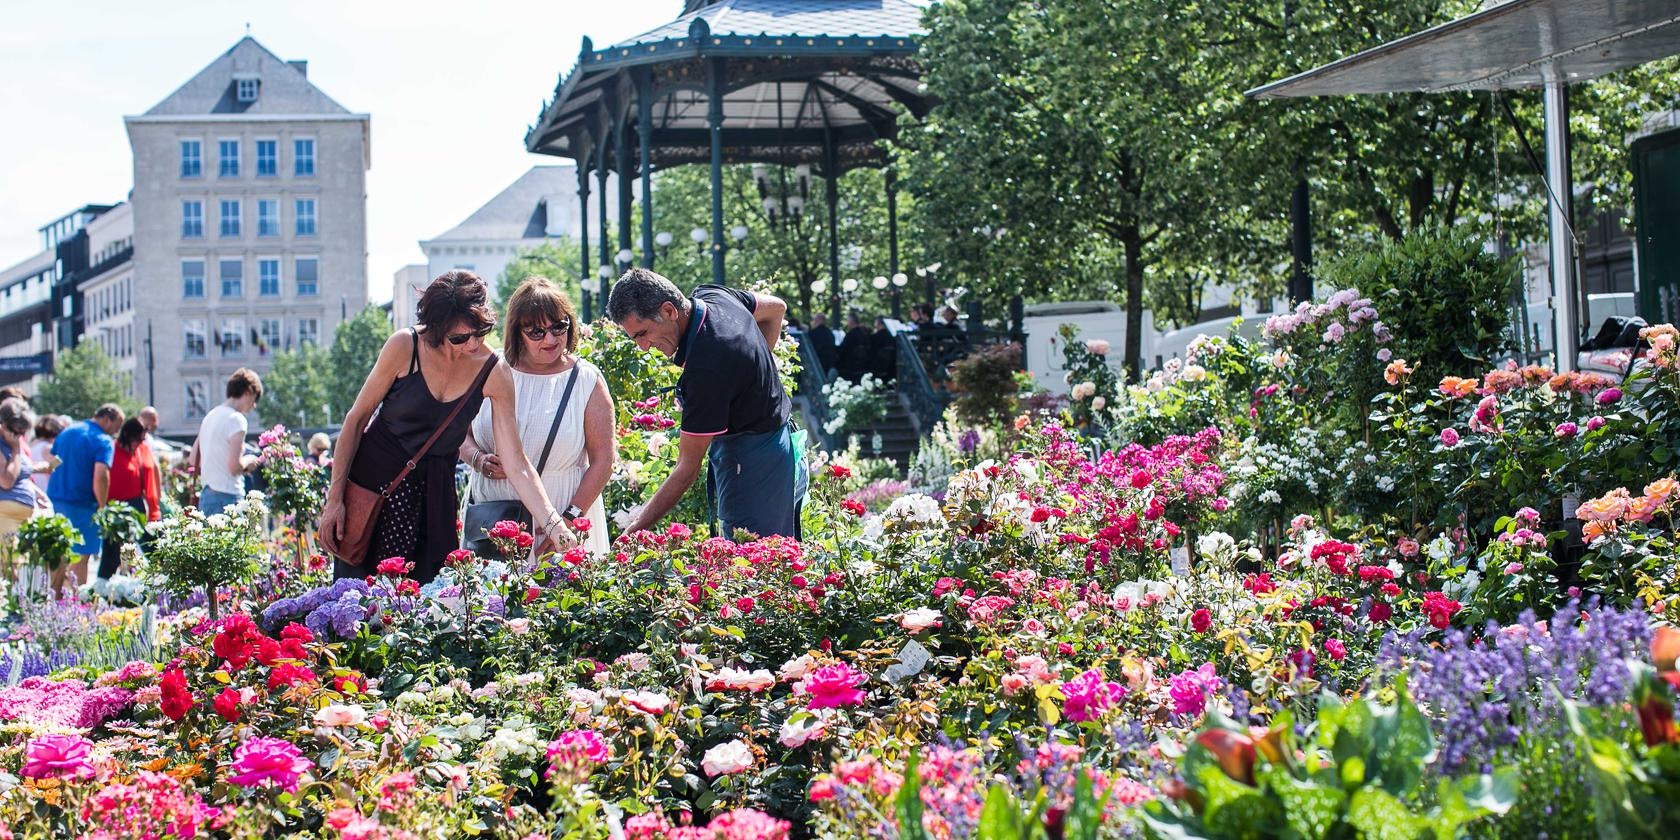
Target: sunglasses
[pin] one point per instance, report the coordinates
(459, 339)
(556, 329)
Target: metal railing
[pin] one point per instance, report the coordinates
(812, 379)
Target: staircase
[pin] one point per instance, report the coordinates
(898, 435)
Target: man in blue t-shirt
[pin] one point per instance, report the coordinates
(79, 486)
(734, 410)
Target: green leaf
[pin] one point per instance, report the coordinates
(1234, 809)
(1309, 809)
(907, 806)
(1000, 816)
(1378, 815)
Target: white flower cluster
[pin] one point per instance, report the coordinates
(915, 510)
(854, 404)
(515, 738)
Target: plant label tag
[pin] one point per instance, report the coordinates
(1570, 504)
(911, 660)
(1180, 561)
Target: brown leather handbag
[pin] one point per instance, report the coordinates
(362, 505)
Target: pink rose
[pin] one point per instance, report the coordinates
(58, 757)
(919, 619)
(577, 749)
(833, 686)
(1595, 424)
(1449, 437)
(1014, 683)
(263, 761)
(651, 702)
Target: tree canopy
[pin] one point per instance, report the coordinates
(83, 379)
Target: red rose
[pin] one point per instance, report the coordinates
(394, 567)
(177, 700)
(408, 586)
(853, 507)
(457, 557)
(297, 631)
(1201, 620)
(581, 525)
(506, 529)
(227, 704)
(523, 539)
(837, 471)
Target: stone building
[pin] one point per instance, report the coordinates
(250, 224)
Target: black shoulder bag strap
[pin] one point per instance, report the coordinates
(558, 414)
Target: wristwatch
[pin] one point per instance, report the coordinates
(572, 512)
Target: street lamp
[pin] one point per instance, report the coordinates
(699, 237)
(899, 281)
(783, 203)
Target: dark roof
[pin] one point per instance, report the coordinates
(792, 71)
(520, 211)
(853, 18)
(284, 88)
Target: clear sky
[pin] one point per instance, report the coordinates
(451, 87)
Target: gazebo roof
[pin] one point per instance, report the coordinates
(792, 69)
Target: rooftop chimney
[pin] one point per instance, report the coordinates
(301, 65)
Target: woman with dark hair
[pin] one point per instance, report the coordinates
(18, 494)
(428, 384)
(134, 482)
(540, 338)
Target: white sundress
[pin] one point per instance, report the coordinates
(537, 397)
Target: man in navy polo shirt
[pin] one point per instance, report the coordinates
(734, 411)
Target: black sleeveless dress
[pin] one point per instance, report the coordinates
(417, 520)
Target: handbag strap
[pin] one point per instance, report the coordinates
(561, 412)
(478, 384)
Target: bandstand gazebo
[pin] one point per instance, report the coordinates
(811, 86)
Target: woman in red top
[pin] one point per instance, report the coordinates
(134, 480)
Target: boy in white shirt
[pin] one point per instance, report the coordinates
(218, 454)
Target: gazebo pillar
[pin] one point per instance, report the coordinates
(601, 190)
(892, 238)
(831, 198)
(626, 193)
(714, 122)
(583, 238)
(644, 131)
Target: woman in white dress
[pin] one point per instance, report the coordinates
(540, 342)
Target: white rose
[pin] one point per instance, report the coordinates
(795, 734)
(919, 619)
(795, 669)
(1099, 403)
(340, 715)
(727, 759)
(656, 442)
(519, 626)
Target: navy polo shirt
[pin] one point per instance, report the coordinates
(728, 383)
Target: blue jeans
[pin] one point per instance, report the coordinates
(215, 501)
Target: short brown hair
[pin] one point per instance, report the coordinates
(244, 381)
(536, 301)
(455, 296)
(110, 411)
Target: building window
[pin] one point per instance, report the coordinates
(303, 157)
(192, 219)
(268, 217)
(195, 337)
(192, 158)
(230, 217)
(233, 278)
(232, 337)
(268, 277)
(245, 90)
(309, 331)
(268, 336)
(307, 270)
(229, 157)
(198, 398)
(192, 278)
(268, 158)
(305, 217)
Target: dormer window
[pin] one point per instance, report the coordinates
(245, 89)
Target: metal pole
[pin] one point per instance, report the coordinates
(1564, 292)
(644, 128)
(583, 238)
(831, 197)
(151, 380)
(626, 193)
(1300, 217)
(714, 121)
(892, 236)
(601, 188)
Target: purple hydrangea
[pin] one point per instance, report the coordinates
(338, 608)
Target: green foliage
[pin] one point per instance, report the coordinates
(1445, 298)
(297, 486)
(855, 406)
(193, 551)
(121, 522)
(1633, 784)
(556, 259)
(986, 383)
(1090, 377)
(49, 540)
(356, 345)
(83, 379)
(295, 389)
(1360, 773)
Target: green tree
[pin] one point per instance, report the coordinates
(356, 345)
(83, 379)
(557, 260)
(295, 389)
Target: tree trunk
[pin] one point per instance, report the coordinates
(210, 595)
(1133, 243)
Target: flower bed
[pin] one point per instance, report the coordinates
(1065, 641)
